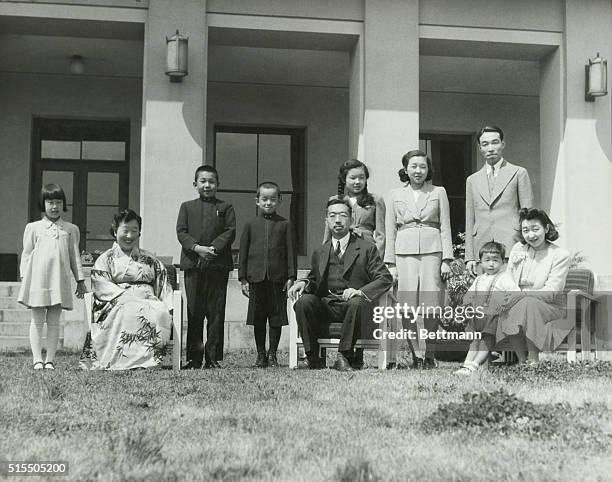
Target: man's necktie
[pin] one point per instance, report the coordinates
(337, 251)
(491, 181)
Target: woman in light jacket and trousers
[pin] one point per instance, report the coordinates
(418, 248)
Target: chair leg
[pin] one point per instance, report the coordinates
(571, 346)
(585, 330)
(293, 336)
(177, 329)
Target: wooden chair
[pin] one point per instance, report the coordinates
(580, 301)
(295, 341)
(175, 343)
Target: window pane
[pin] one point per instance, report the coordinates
(99, 222)
(67, 216)
(244, 205)
(104, 150)
(236, 160)
(101, 246)
(102, 188)
(63, 178)
(275, 160)
(284, 208)
(60, 150)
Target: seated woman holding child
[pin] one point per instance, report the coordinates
(530, 316)
(532, 319)
(131, 323)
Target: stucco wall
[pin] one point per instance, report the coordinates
(338, 9)
(539, 15)
(23, 96)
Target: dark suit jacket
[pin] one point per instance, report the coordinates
(207, 223)
(363, 269)
(266, 248)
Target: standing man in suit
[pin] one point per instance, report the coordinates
(347, 276)
(206, 228)
(493, 197)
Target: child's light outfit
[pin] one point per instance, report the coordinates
(488, 291)
(50, 256)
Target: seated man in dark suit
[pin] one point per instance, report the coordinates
(346, 278)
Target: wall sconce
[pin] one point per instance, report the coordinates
(596, 78)
(176, 59)
(77, 66)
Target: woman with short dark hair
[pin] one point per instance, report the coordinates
(540, 268)
(131, 322)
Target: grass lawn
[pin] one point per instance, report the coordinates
(241, 423)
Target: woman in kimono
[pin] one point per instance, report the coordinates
(533, 319)
(131, 323)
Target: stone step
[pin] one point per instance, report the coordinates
(16, 315)
(9, 289)
(7, 302)
(21, 329)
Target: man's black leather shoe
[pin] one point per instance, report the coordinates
(272, 361)
(357, 360)
(314, 362)
(191, 366)
(212, 364)
(262, 360)
(342, 364)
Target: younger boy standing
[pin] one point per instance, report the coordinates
(267, 270)
(206, 228)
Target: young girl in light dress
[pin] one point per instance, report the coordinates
(50, 254)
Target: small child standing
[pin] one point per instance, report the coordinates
(50, 253)
(267, 270)
(488, 291)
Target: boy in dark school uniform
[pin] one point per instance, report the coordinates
(267, 270)
(206, 228)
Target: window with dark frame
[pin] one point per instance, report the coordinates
(245, 156)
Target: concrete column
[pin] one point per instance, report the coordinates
(391, 121)
(587, 167)
(173, 126)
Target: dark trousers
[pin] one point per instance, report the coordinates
(314, 315)
(206, 293)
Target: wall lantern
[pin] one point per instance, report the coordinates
(77, 65)
(176, 59)
(596, 78)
